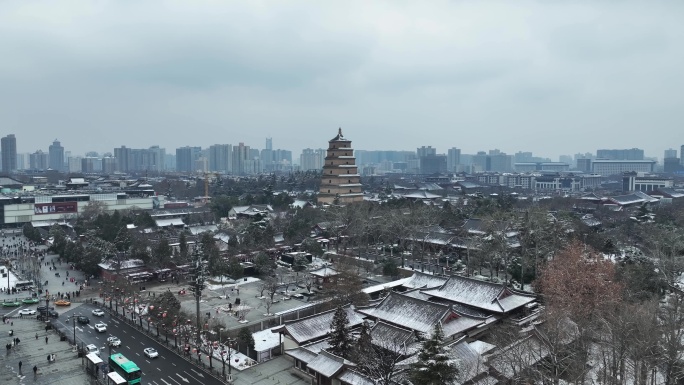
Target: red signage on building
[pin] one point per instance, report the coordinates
(55, 208)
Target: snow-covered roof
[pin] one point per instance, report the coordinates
(352, 377)
(328, 364)
(194, 230)
(423, 280)
(386, 285)
(265, 340)
(324, 272)
(393, 338)
(127, 264)
(408, 312)
(316, 326)
(169, 222)
(488, 296)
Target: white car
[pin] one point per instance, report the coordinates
(27, 312)
(100, 327)
(98, 312)
(92, 349)
(151, 352)
(114, 341)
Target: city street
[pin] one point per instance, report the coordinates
(167, 369)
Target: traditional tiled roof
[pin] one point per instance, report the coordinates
(669, 192)
(409, 312)
(471, 362)
(421, 316)
(301, 354)
(422, 280)
(328, 364)
(393, 338)
(352, 377)
(316, 326)
(624, 200)
(324, 272)
(487, 296)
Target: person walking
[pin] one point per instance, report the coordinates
(20, 364)
(35, 370)
(46, 340)
(36, 336)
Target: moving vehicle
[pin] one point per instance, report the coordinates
(100, 327)
(113, 341)
(151, 353)
(62, 302)
(27, 312)
(10, 303)
(23, 285)
(30, 301)
(98, 313)
(83, 319)
(92, 349)
(126, 368)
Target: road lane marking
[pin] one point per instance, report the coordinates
(173, 364)
(171, 378)
(159, 369)
(183, 378)
(194, 378)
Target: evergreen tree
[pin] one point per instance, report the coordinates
(183, 245)
(340, 335)
(364, 345)
(434, 365)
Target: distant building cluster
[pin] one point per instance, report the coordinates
(242, 159)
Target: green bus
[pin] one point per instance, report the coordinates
(126, 368)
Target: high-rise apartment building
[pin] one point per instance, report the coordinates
(311, 159)
(340, 181)
(670, 153)
(56, 156)
(122, 154)
(426, 151)
(221, 158)
(240, 156)
(8, 146)
(453, 159)
(38, 160)
(186, 157)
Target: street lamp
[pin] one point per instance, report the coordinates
(230, 351)
(223, 359)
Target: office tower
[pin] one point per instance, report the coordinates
(221, 157)
(453, 159)
(22, 161)
(681, 155)
(670, 153)
(340, 181)
(240, 155)
(186, 157)
(621, 154)
(8, 146)
(56, 154)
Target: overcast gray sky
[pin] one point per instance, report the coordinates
(552, 77)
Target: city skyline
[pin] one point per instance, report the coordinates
(551, 78)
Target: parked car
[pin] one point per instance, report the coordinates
(113, 341)
(151, 352)
(83, 319)
(100, 327)
(27, 312)
(98, 313)
(92, 349)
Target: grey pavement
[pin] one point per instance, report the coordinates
(66, 370)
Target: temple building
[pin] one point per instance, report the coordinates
(340, 181)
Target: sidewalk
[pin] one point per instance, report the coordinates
(67, 370)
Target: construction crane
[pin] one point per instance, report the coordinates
(206, 185)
